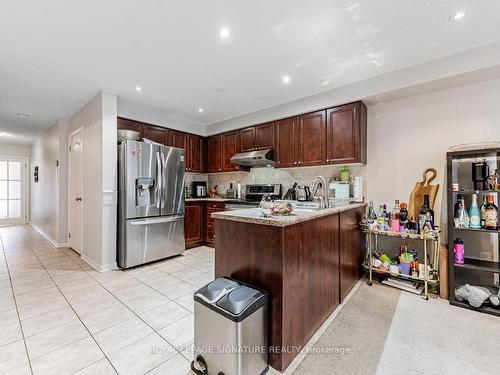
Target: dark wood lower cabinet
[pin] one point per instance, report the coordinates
(199, 227)
(299, 265)
(193, 224)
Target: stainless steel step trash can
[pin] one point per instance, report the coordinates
(230, 329)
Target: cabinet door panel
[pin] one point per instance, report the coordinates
(343, 134)
(229, 149)
(312, 138)
(179, 139)
(155, 134)
(286, 141)
(264, 136)
(214, 154)
(195, 153)
(193, 223)
(247, 139)
(123, 123)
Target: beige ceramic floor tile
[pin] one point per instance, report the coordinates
(142, 356)
(12, 356)
(164, 315)
(177, 365)
(55, 338)
(107, 318)
(179, 334)
(10, 328)
(102, 367)
(118, 336)
(68, 359)
(147, 302)
(48, 320)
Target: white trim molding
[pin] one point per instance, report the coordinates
(49, 238)
(97, 267)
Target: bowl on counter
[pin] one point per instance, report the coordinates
(282, 209)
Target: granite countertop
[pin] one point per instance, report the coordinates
(209, 199)
(253, 215)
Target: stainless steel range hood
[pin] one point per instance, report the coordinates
(258, 158)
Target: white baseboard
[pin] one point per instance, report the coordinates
(50, 239)
(99, 268)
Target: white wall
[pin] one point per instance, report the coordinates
(14, 150)
(98, 120)
(408, 135)
(48, 202)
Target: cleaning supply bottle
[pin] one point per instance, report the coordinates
(459, 250)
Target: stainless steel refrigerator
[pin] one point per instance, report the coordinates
(150, 203)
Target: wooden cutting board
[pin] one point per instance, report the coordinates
(422, 188)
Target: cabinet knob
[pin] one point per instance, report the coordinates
(294, 163)
(279, 161)
(300, 162)
(327, 160)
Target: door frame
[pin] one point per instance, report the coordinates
(25, 200)
(79, 130)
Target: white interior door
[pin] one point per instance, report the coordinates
(12, 191)
(75, 190)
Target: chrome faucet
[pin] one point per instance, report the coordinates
(323, 200)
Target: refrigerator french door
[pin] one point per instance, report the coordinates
(150, 203)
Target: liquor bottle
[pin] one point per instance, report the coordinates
(403, 217)
(395, 217)
(412, 225)
(372, 216)
(461, 218)
(425, 216)
(491, 214)
(475, 214)
(382, 217)
(483, 211)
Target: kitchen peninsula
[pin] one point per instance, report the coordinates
(308, 261)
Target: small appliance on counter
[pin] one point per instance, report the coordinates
(340, 189)
(253, 196)
(357, 189)
(199, 189)
(303, 193)
(187, 192)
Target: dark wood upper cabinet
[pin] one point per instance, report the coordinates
(230, 147)
(155, 133)
(123, 123)
(311, 140)
(286, 142)
(264, 136)
(346, 134)
(195, 148)
(247, 139)
(179, 139)
(214, 153)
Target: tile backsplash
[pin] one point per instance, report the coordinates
(285, 176)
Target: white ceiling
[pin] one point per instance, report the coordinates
(56, 55)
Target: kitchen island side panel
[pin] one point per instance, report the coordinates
(311, 281)
(352, 249)
(253, 254)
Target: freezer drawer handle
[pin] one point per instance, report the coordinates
(157, 221)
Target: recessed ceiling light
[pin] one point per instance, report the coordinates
(138, 88)
(286, 79)
(224, 33)
(457, 16)
(23, 115)
(201, 110)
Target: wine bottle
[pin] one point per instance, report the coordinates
(403, 216)
(491, 214)
(474, 214)
(483, 212)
